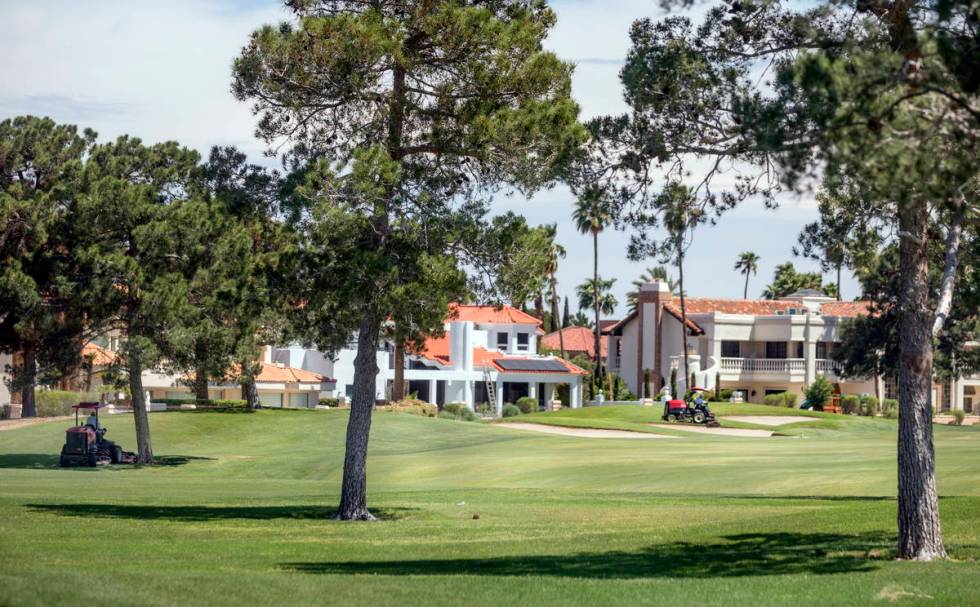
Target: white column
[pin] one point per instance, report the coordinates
(468, 397)
(956, 394)
(499, 393)
(532, 389)
(575, 393)
(809, 354)
(433, 390)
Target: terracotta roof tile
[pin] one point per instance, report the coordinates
(99, 356)
(846, 309)
(276, 374)
(490, 314)
(577, 339)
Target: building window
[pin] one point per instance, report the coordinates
(775, 349)
(891, 387)
(821, 349)
(502, 341)
(799, 349)
(731, 349)
(523, 341)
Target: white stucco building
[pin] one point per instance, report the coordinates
(487, 355)
(757, 347)
(5, 361)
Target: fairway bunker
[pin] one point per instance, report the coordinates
(581, 432)
(771, 420)
(742, 432)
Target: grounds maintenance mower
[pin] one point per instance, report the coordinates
(86, 445)
(694, 410)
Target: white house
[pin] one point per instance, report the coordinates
(487, 355)
(757, 347)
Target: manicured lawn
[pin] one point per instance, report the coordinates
(239, 516)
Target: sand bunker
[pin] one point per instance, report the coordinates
(770, 420)
(580, 432)
(745, 432)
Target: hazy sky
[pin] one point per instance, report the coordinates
(161, 71)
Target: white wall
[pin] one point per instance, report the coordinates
(5, 361)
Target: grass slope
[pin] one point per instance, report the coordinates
(239, 516)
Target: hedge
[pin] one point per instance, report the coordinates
(511, 410)
(849, 403)
(527, 404)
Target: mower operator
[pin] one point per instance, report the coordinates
(92, 421)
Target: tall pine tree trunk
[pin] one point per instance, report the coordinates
(398, 385)
(839, 297)
(29, 379)
(680, 285)
(353, 491)
(140, 415)
(200, 385)
(919, 532)
(595, 293)
(250, 393)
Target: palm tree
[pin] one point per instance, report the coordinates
(748, 263)
(650, 275)
(555, 252)
(587, 295)
(592, 215)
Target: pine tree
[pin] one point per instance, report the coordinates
(402, 118)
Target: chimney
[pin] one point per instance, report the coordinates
(267, 355)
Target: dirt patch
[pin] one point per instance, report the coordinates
(13, 424)
(770, 420)
(744, 432)
(580, 432)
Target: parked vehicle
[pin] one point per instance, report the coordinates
(695, 410)
(86, 445)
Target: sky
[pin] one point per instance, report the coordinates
(162, 71)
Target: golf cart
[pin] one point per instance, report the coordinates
(86, 445)
(695, 410)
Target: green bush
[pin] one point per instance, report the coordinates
(789, 399)
(889, 408)
(868, 406)
(958, 416)
(485, 409)
(52, 403)
(511, 410)
(202, 403)
(726, 394)
(818, 393)
(527, 404)
(412, 406)
(849, 403)
(459, 412)
(330, 402)
(775, 400)
(6, 411)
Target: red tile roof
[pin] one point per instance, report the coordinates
(490, 314)
(437, 350)
(276, 374)
(99, 356)
(846, 309)
(577, 339)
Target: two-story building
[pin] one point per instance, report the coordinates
(487, 355)
(756, 347)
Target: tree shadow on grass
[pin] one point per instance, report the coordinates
(205, 513)
(43, 461)
(748, 554)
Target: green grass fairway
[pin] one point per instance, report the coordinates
(238, 515)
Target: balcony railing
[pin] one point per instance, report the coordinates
(763, 365)
(827, 366)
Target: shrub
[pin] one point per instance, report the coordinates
(458, 412)
(868, 406)
(511, 410)
(789, 399)
(726, 394)
(51, 403)
(6, 411)
(412, 407)
(330, 402)
(527, 404)
(818, 393)
(889, 408)
(202, 403)
(485, 409)
(958, 416)
(775, 400)
(849, 403)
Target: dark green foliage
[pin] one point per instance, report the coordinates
(850, 403)
(673, 383)
(52, 403)
(818, 393)
(786, 280)
(510, 410)
(775, 400)
(458, 412)
(958, 416)
(330, 402)
(889, 408)
(726, 394)
(527, 404)
(868, 406)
